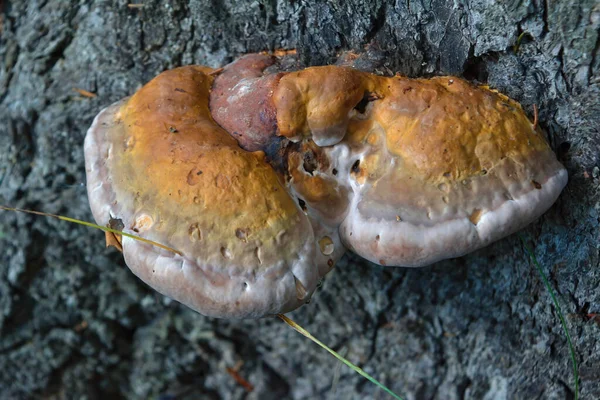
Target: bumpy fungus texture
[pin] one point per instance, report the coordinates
(298, 166)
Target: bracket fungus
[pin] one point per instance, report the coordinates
(262, 177)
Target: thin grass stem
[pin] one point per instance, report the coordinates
(356, 368)
(91, 225)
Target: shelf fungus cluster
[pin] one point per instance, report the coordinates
(261, 177)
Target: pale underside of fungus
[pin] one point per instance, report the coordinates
(262, 177)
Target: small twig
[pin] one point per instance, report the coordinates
(281, 52)
(85, 93)
(535, 116)
(134, 5)
(234, 372)
(216, 72)
(593, 317)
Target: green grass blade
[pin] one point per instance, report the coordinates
(518, 42)
(91, 225)
(357, 369)
(560, 314)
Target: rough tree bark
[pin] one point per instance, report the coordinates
(74, 322)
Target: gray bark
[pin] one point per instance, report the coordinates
(75, 323)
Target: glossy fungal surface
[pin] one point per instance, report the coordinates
(262, 177)
(159, 163)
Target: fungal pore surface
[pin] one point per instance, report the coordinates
(262, 176)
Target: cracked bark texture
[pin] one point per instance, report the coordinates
(75, 323)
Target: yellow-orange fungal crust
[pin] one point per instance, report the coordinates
(404, 172)
(442, 125)
(438, 167)
(315, 102)
(179, 179)
(193, 170)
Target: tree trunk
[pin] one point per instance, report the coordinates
(74, 321)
